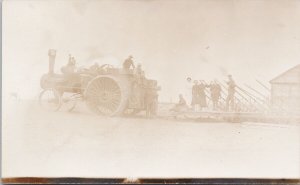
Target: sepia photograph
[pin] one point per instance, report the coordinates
(150, 91)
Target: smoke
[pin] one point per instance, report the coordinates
(223, 70)
(111, 60)
(171, 44)
(80, 6)
(93, 52)
(203, 59)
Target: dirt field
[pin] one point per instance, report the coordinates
(80, 144)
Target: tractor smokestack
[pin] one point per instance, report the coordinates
(51, 54)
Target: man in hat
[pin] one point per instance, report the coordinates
(71, 75)
(128, 63)
(151, 102)
(139, 70)
(202, 94)
(187, 91)
(231, 91)
(215, 93)
(140, 74)
(70, 68)
(196, 101)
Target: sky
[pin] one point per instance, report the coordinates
(172, 39)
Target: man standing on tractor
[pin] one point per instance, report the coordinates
(128, 63)
(140, 74)
(231, 91)
(70, 68)
(139, 70)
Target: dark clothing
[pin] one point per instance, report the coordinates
(139, 71)
(231, 87)
(128, 63)
(195, 94)
(231, 91)
(151, 97)
(69, 72)
(140, 75)
(182, 102)
(199, 96)
(202, 95)
(215, 91)
(230, 101)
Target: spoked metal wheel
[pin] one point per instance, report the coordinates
(69, 101)
(105, 96)
(50, 99)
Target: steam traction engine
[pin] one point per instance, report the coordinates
(105, 89)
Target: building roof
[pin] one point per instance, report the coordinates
(291, 76)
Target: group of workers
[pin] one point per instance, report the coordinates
(199, 96)
(71, 65)
(197, 92)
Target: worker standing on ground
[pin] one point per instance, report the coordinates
(151, 102)
(215, 93)
(196, 96)
(202, 95)
(231, 91)
(188, 90)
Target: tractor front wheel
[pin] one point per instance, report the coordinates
(50, 99)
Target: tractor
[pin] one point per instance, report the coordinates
(106, 90)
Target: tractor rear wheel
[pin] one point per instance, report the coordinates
(105, 95)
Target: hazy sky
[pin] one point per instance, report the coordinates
(172, 39)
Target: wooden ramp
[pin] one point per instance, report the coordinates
(221, 116)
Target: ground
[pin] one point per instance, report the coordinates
(80, 144)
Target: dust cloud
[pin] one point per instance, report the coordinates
(171, 39)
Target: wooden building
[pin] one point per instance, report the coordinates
(285, 90)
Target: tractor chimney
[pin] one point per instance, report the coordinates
(51, 54)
